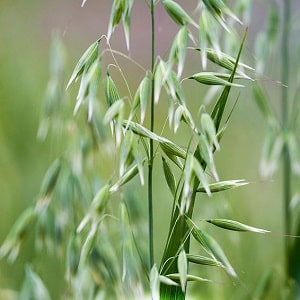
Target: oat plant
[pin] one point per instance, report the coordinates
(281, 143)
(90, 206)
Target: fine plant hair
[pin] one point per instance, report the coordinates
(281, 143)
(95, 218)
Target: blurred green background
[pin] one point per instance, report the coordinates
(25, 38)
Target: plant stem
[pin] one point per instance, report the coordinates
(285, 125)
(151, 154)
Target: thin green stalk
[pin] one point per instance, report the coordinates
(151, 154)
(285, 125)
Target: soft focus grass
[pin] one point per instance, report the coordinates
(25, 38)
(23, 160)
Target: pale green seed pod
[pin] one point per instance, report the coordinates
(203, 260)
(114, 111)
(212, 78)
(182, 265)
(172, 149)
(144, 91)
(86, 60)
(111, 92)
(235, 226)
(50, 178)
(115, 16)
(87, 246)
(208, 128)
(211, 246)
(223, 185)
(126, 177)
(100, 200)
(177, 13)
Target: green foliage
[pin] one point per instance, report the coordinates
(281, 144)
(91, 216)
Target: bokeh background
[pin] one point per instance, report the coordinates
(26, 29)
